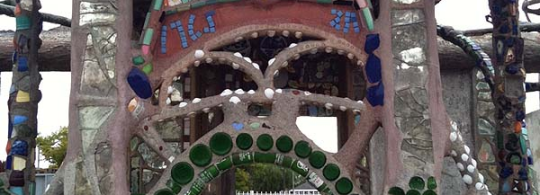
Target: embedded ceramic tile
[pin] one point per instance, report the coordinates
(409, 16)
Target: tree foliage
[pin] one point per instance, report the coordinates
(54, 146)
(266, 178)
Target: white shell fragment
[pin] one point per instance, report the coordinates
(271, 61)
(239, 92)
(470, 168)
(328, 105)
(269, 93)
(343, 108)
(168, 101)
(293, 45)
(169, 90)
(453, 136)
(256, 66)
(235, 66)
(453, 153)
(247, 59)
(279, 91)
(196, 100)
(238, 54)
(234, 100)
(460, 166)
(467, 149)
(467, 179)
(226, 92)
(479, 186)
(464, 157)
(199, 54)
(251, 92)
(182, 104)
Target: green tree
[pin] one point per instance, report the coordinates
(54, 146)
(266, 178)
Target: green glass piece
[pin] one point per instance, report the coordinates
(147, 69)
(413, 192)
(244, 141)
(255, 125)
(317, 159)
(431, 183)
(344, 185)
(209, 174)
(515, 159)
(196, 188)
(264, 157)
(331, 172)
(175, 187)
(302, 149)
(158, 4)
(148, 36)
(283, 161)
(32, 187)
(369, 19)
(198, 4)
(221, 143)
(396, 191)
(138, 60)
(429, 192)
(242, 158)
(23, 22)
(182, 173)
(225, 164)
(147, 20)
(523, 144)
(417, 183)
(325, 1)
(200, 155)
(164, 192)
(300, 168)
(482, 86)
(284, 144)
(265, 142)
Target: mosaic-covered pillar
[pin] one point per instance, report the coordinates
(97, 154)
(513, 153)
(418, 118)
(24, 97)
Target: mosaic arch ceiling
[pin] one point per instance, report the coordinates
(279, 64)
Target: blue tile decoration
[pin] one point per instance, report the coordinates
(238, 126)
(18, 119)
(164, 39)
(373, 71)
(139, 83)
(9, 161)
(350, 21)
(19, 147)
(372, 43)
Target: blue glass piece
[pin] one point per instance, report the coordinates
(347, 14)
(139, 83)
(211, 24)
(506, 172)
(512, 69)
(356, 119)
(339, 13)
(178, 23)
(356, 30)
(163, 50)
(19, 147)
(523, 174)
(191, 21)
(375, 95)
(333, 23)
(9, 161)
(164, 28)
(333, 11)
(209, 18)
(346, 30)
(212, 29)
(210, 13)
(347, 25)
(313, 111)
(337, 20)
(184, 45)
(372, 43)
(523, 124)
(22, 63)
(355, 24)
(347, 20)
(10, 127)
(184, 39)
(520, 115)
(191, 16)
(530, 159)
(206, 30)
(199, 33)
(190, 32)
(238, 126)
(373, 69)
(173, 25)
(506, 187)
(193, 37)
(190, 26)
(338, 27)
(18, 119)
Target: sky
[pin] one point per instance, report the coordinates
(53, 108)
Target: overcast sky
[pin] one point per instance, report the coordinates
(53, 108)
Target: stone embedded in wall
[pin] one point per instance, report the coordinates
(93, 117)
(97, 13)
(93, 81)
(406, 1)
(88, 136)
(405, 17)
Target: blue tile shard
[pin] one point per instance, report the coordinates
(375, 95)
(372, 43)
(139, 83)
(19, 147)
(373, 69)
